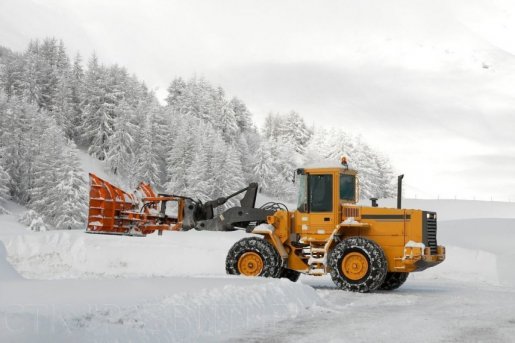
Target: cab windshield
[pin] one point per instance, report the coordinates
(315, 193)
(302, 193)
(347, 187)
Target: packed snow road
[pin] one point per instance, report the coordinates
(420, 311)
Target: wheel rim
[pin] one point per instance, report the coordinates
(250, 264)
(354, 266)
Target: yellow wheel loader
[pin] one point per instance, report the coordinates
(362, 248)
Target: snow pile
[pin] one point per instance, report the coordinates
(7, 272)
(478, 250)
(75, 254)
(158, 288)
(454, 209)
(162, 309)
(461, 264)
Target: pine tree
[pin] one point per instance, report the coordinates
(242, 114)
(4, 189)
(46, 172)
(70, 193)
(147, 160)
(32, 75)
(181, 155)
(12, 71)
(48, 80)
(226, 163)
(76, 96)
(264, 168)
(176, 94)
(98, 110)
(120, 155)
(293, 130)
(227, 123)
(199, 173)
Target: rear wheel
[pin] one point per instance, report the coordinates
(393, 281)
(253, 257)
(358, 264)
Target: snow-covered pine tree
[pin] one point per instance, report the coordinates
(163, 131)
(385, 177)
(46, 172)
(32, 74)
(147, 158)
(19, 142)
(76, 96)
(98, 116)
(199, 172)
(244, 144)
(264, 168)
(227, 172)
(70, 194)
(176, 95)
(271, 126)
(227, 124)
(285, 164)
(293, 129)
(242, 114)
(62, 104)
(48, 74)
(12, 70)
(120, 155)
(5, 180)
(182, 153)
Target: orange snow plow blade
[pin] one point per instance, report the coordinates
(114, 211)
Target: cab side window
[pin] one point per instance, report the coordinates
(321, 193)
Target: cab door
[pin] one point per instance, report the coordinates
(321, 204)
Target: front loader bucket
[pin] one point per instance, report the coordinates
(114, 211)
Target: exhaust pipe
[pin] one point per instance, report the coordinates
(399, 191)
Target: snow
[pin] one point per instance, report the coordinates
(454, 209)
(349, 220)
(7, 272)
(171, 287)
(72, 286)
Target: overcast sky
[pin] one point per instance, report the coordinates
(429, 83)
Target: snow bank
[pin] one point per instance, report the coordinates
(75, 254)
(477, 251)
(455, 209)
(114, 288)
(7, 272)
(159, 309)
(461, 264)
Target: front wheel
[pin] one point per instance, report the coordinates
(253, 256)
(358, 264)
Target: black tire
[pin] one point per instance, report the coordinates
(290, 274)
(272, 263)
(393, 281)
(374, 255)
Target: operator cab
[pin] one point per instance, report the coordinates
(321, 194)
(318, 193)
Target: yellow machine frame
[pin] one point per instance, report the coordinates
(399, 232)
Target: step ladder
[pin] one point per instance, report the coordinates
(317, 258)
